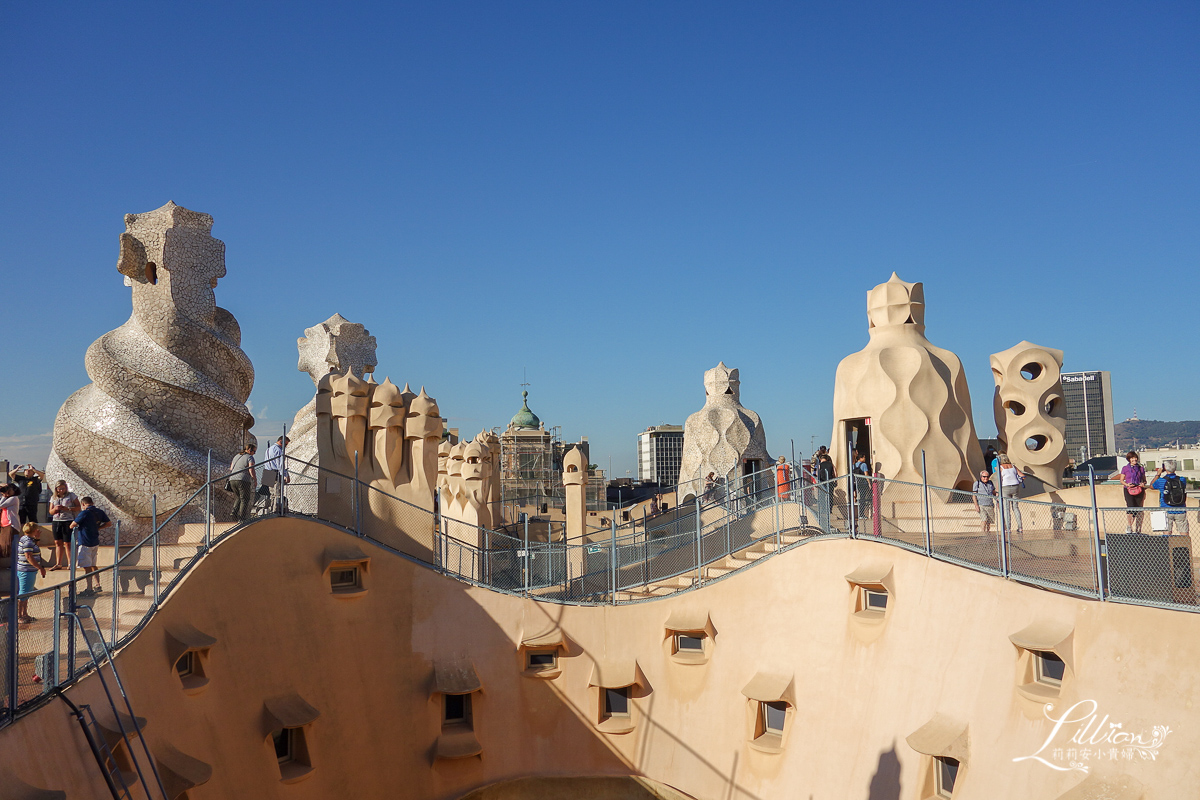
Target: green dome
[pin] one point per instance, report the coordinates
(525, 418)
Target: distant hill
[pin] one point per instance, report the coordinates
(1140, 434)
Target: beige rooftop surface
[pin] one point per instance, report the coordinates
(361, 678)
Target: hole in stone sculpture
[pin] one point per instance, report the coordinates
(1031, 371)
(729, 391)
(1016, 408)
(909, 321)
(1052, 404)
(1035, 443)
(151, 272)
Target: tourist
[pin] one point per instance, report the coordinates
(275, 472)
(1011, 481)
(10, 525)
(1133, 478)
(29, 564)
(654, 505)
(29, 481)
(87, 525)
(862, 485)
(64, 505)
(989, 456)
(242, 482)
(783, 479)
(1172, 495)
(985, 499)
(826, 475)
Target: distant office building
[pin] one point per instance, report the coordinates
(1090, 430)
(660, 452)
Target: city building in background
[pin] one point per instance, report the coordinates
(1187, 459)
(531, 458)
(660, 452)
(1090, 430)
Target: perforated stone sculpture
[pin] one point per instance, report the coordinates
(905, 395)
(723, 437)
(1031, 417)
(167, 386)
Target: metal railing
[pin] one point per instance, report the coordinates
(1079, 550)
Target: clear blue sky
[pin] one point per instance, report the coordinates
(612, 195)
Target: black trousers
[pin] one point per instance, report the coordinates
(28, 513)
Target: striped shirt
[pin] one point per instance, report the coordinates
(29, 552)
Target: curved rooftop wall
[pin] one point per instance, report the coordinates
(870, 696)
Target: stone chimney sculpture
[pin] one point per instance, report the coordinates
(906, 395)
(333, 346)
(167, 386)
(723, 437)
(575, 478)
(388, 438)
(1031, 417)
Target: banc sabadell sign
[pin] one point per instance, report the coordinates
(1087, 376)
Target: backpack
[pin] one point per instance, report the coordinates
(1174, 492)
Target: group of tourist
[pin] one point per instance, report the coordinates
(1172, 494)
(1171, 488)
(71, 517)
(984, 491)
(243, 479)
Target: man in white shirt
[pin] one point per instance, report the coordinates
(275, 471)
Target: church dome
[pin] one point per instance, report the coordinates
(525, 418)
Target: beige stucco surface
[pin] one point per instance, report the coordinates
(366, 664)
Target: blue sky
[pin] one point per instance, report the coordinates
(613, 196)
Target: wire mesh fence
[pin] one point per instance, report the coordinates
(1052, 544)
(1141, 555)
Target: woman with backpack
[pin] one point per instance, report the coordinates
(1133, 478)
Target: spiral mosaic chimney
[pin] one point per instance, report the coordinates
(167, 386)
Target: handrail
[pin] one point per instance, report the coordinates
(639, 561)
(112, 703)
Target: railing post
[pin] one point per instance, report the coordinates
(71, 592)
(1003, 542)
(699, 525)
(56, 643)
(612, 559)
(925, 506)
(207, 503)
(282, 469)
(528, 557)
(1096, 528)
(116, 579)
(357, 498)
(154, 545)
